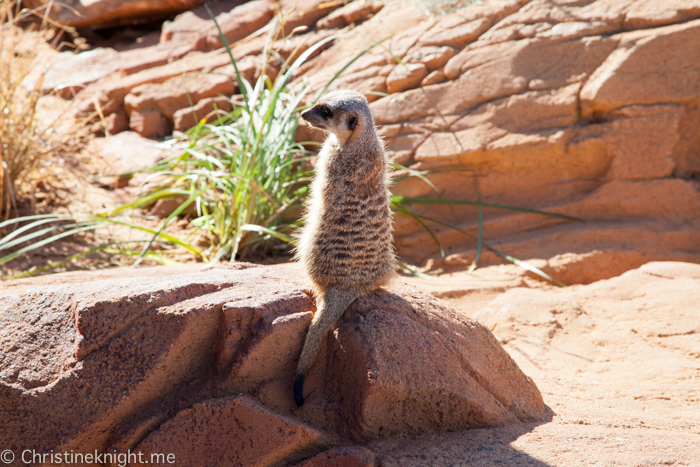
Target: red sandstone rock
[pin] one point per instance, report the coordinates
(123, 153)
(342, 457)
(372, 381)
(633, 74)
(640, 139)
(252, 358)
(542, 315)
(69, 73)
(485, 132)
(175, 93)
(149, 123)
(229, 431)
(134, 351)
(402, 147)
(305, 12)
(436, 77)
(369, 80)
(352, 13)
(154, 103)
(591, 267)
(465, 25)
(431, 56)
(117, 346)
(101, 12)
(648, 13)
(207, 109)
(405, 77)
(93, 64)
(195, 26)
(453, 31)
(116, 123)
(240, 22)
(110, 91)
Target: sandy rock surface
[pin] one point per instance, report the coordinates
(159, 363)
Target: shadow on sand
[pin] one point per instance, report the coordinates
(475, 447)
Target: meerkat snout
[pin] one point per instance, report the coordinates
(340, 117)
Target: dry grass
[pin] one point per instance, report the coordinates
(31, 162)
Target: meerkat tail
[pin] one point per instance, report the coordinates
(332, 304)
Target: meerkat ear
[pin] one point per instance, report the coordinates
(352, 122)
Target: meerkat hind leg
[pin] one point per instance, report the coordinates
(331, 305)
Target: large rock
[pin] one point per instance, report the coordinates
(376, 378)
(108, 93)
(84, 347)
(106, 12)
(235, 23)
(634, 75)
(352, 13)
(208, 109)
(150, 358)
(122, 154)
(163, 100)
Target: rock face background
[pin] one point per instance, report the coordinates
(588, 108)
(200, 365)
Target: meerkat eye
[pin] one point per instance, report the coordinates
(325, 111)
(352, 122)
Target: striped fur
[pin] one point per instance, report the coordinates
(345, 246)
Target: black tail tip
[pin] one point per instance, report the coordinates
(299, 389)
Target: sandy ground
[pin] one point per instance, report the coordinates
(618, 395)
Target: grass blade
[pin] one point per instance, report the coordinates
(261, 229)
(420, 174)
(480, 238)
(342, 70)
(512, 259)
(18, 220)
(418, 219)
(164, 236)
(172, 215)
(47, 241)
(408, 200)
(526, 266)
(413, 271)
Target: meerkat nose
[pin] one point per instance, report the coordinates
(312, 116)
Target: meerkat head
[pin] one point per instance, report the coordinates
(343, 113)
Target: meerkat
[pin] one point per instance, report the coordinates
(345, 246)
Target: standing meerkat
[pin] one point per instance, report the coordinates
(345, 246)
